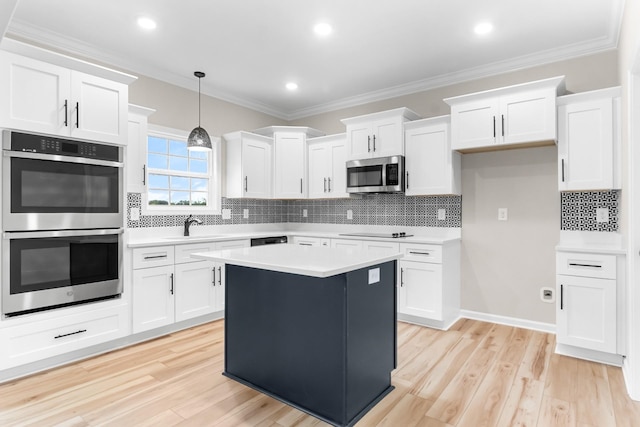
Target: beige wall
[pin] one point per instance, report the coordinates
(177, 108)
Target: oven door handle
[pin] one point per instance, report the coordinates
(10, 235)
(57, 158)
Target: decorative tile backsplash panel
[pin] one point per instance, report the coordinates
(579, 210)
(378, 209)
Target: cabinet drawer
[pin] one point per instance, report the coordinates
(183, 252)
(40, 340)
(424, 253)
(233, 244)
(153, 257)
(586, 265)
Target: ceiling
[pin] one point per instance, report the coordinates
(378, 49)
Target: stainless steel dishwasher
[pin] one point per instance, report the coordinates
(275, 240)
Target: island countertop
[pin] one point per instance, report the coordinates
(311, 261)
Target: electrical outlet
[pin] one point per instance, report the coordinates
(602, 215)
(349, 214)
(226, 213)
(503, 214)
(135, 214)
(442, 214)
(548, 295)
(245, 213)
(305, 213)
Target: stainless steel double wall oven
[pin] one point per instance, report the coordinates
(62, 222)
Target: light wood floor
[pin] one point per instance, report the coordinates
(476, 374)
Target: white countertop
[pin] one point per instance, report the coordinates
(305, 260)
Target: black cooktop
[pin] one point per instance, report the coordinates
(385, 235)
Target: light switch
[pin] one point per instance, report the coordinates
(503, 214)
(245, 213)
(602, 214)
(135, 214)
(304, 213)
(226, 213)
(442, 214)
(349, 214)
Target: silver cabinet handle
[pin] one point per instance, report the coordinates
(220, 276)
(144, 174)
(407, 180)
(374, 143)
(66, 113)
(502, 125)
(494, 127)
(214, 276)
(562, 170)
(561, 297)
(78, 115)
(305, 244)
(155, 256)
(577, 264)
(369, 143)
(171, 289)
(401, 277)
(300, 185)
(420, 253)
(329, 181)
(246, 183)
(325, 185)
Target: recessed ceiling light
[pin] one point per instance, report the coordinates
(292, 86)
(146, 23)
(322, 29)
(483, 28)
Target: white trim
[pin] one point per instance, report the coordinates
(592, 355)
(509, 321)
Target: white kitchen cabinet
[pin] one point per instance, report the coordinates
(346, 243)
(428, 284)
(38, 340)
(382, 247)
(136, 149)
(327, 167)
(420, 289)
(37, 96)
(195, 289)
(431, 166)
(377, 135)
(589, 141)
(153, 294)
(519, 115)
(248, 165)
(310, 241)
(587, 314)
(289, 167)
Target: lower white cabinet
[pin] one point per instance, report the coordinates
(428, 284)
(59, 334)
(346, 243)
(178, 289)
(310, 241)
(587, 315)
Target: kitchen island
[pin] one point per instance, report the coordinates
(313, 327)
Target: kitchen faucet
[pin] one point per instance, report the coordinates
(187, 223)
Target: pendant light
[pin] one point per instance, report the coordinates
(199, 138)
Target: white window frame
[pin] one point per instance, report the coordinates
(215, 177)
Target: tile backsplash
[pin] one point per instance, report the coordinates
(377, 209)
(578, 210)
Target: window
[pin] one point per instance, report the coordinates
(179, 179)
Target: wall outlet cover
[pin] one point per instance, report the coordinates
(503, 214)
(602, 214)
(134, 214)
(305, 213)
(442, 214)
(245, 213)
(226, 213)
(548, 295)
(349, 214)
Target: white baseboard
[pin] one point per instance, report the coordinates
(592, 355)
(509, 321)
(633, 385)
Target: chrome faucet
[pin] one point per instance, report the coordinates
(187, 223)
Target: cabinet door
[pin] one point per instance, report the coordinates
(306, 241)
(136, 147)
(289, 165)
(256, 165)
(381, 247)
(420, 289)
(428, 161)
(318, 170)
(388, 137)
(473, 124)
(33, 95)
(100, 108)
(153, 298)
(527, 117)
(585, 145)
(359, 141)
(346, 243)
(195, 291)
(337, 184)
(219, 276)
(586, 313)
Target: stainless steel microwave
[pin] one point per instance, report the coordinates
(379, 175)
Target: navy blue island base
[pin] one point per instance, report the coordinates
(326, 346)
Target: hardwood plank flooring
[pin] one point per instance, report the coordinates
(475, 374)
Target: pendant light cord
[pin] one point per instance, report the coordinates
(199, 78)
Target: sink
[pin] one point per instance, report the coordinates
(196, 236)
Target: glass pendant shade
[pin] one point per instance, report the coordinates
(199, 138)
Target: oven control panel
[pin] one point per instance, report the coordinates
(65, 147)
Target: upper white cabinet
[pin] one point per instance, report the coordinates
(327, 167)
(510, 116)
(135, 162)
(248, 165)
(38, 96)
(431, 166)
(289, 159)
(378, 134)
(589, 140)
